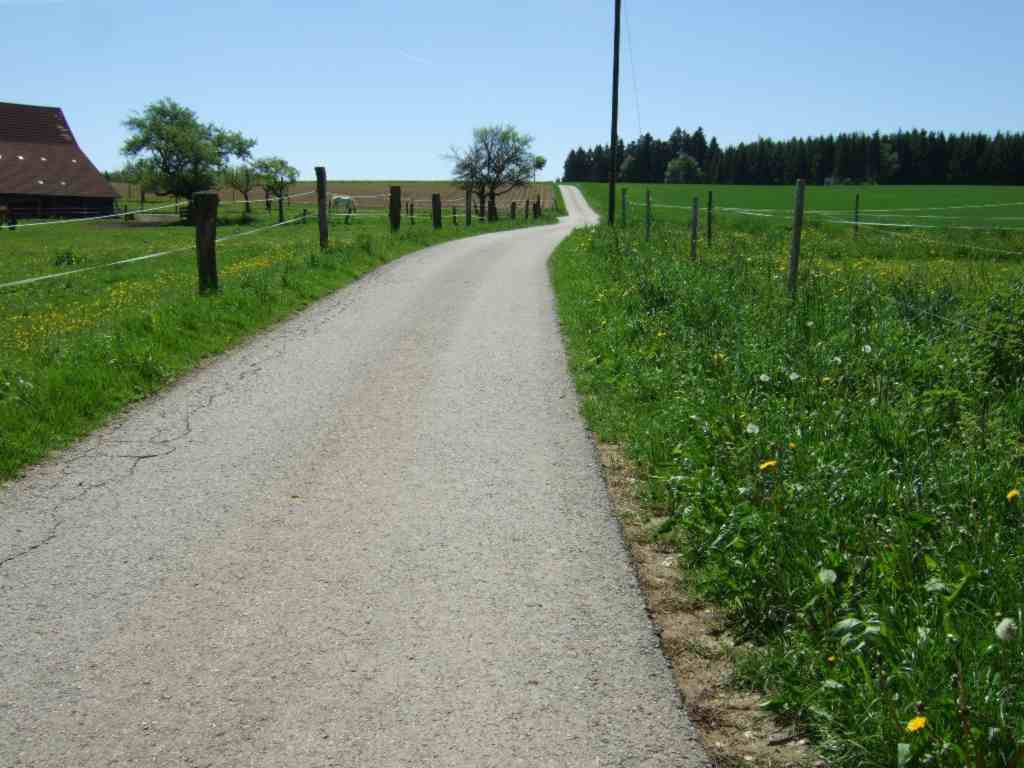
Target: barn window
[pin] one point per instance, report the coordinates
(40, 182)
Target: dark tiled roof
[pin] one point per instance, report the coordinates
(39, 155)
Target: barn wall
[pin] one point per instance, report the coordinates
(53, 207)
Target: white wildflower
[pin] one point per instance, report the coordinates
(794, 376)
(1006, 630)
(764, 378)
(837, 361)
(752, 428)
(873, 401)
(866, 349)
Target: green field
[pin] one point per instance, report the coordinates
(839, 472)
(939, 206)
(76, 348)
(957, 220)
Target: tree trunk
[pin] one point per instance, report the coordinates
(492, 208)
(248, 207)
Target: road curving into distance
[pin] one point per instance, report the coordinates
(375, 535)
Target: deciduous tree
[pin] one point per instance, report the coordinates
(498, 161)
(243, 178)
(276, 176)
(682, 169)
(182, 155)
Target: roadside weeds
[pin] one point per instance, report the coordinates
(735, 731)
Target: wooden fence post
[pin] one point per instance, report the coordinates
(412, 211)
(469, 207)
(321, 203)
(794, 248)
(647, 216)
(455, 216)
(204, 209)
(856, 216)
(625, 208)
(280, 206)
(395, 210)
(694, 221)
(435, 205)
(512, 210)
(711, 200)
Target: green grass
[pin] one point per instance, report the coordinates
(835, 470)
(1004, 206)
(76, 349)
(559, 201)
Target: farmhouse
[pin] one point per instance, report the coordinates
(43, 171)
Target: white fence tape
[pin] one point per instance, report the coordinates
(134, 259)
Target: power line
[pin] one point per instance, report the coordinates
(632, 67)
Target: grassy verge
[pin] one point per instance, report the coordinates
(839, 473)
(559, 201)
(77, 349)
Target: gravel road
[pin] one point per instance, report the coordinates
(374, 536)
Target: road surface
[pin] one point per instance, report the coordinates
(374, 536)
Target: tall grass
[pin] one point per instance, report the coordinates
(839, 472)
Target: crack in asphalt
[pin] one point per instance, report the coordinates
(38, 545)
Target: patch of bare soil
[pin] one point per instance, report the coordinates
(735, 731)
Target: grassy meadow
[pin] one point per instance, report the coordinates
(933, 206)
(368, 194)
(841, 473)
(76, 349)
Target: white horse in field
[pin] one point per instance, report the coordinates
(343, 201)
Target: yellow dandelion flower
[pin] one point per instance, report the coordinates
(792, 446)
(831, 659)
(917, 724)
(1013, 495)
(769, 464)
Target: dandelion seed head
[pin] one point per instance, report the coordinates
(866, 349)
(1006, 630)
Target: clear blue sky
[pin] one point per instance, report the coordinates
(378, 90)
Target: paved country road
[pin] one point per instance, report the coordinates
(373, 536)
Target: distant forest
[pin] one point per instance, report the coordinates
(904, 157)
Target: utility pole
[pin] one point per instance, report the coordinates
(613, 149)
